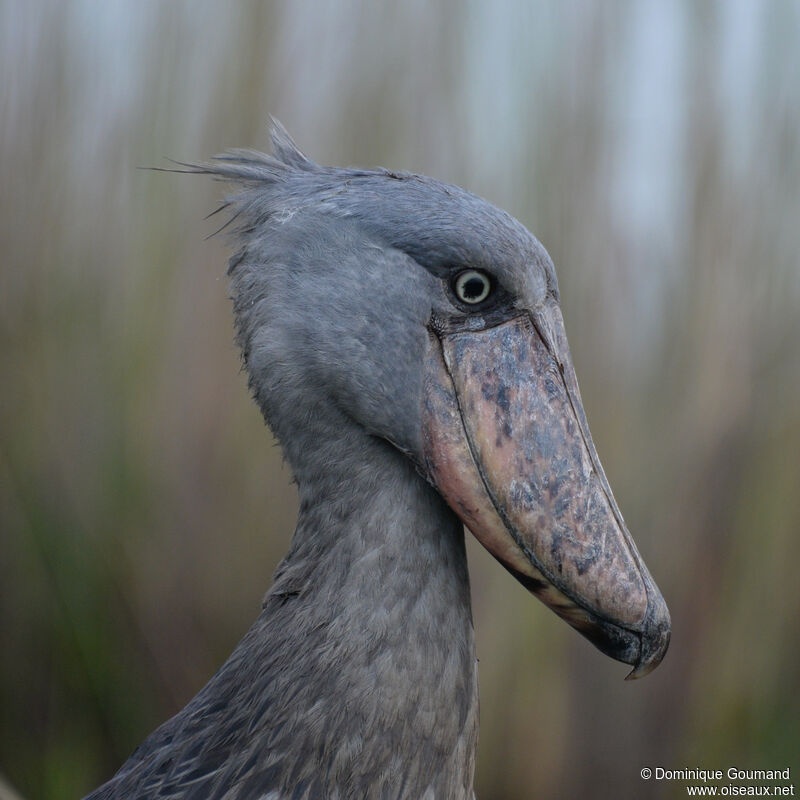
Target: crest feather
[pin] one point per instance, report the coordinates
(284, 148)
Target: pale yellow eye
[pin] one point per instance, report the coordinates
(472, 287)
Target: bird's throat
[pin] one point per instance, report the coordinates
(359, 677)
(368, 624)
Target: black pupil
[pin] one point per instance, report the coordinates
(473, 288)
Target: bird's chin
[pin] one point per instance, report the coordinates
(507, 445)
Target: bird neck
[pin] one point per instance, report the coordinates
(369, 627)
(358, 679)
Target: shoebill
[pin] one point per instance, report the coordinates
(404, 342)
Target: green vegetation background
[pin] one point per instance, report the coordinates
(655, 151)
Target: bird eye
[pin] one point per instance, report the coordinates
(472, 287)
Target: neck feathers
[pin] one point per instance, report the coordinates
(359, 677)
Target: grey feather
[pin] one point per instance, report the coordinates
(358, 679)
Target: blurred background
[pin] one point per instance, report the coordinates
(653, 147)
